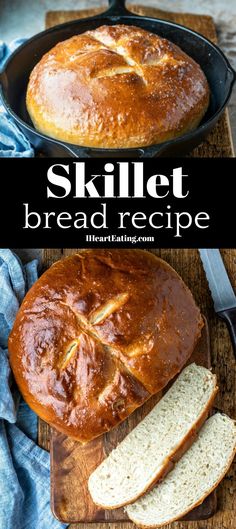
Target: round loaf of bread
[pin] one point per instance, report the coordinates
(116, 87)
(98, 334)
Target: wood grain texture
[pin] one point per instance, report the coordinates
(188, 264)
(219, 142)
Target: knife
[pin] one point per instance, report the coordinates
(223, 295)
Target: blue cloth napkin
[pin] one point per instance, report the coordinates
(13, 143)
(24, 467)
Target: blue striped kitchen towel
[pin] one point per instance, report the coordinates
(13, 143)
(24, 467)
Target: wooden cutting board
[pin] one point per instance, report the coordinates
(219, 142)
(187, 263)
(72, 463)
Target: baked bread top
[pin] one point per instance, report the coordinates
(98, 334)
(116, 87)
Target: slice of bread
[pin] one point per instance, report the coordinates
(148, 452)
(197, 473)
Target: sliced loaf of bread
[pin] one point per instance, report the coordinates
(197, 473)
(148, 452)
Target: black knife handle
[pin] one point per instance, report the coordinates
(229, 315)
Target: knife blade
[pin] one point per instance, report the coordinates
(223, 295)
(221, 289)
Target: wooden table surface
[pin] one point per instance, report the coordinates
(188, 264)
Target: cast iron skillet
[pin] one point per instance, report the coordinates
(14, 79)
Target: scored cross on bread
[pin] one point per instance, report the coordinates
(87, 325)
(98, 334)
(116, 54)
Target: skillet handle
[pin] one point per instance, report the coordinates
(117, 7)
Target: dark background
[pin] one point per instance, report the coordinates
(211, 185)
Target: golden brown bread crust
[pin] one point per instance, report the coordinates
(116, 87)
(98, 334)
